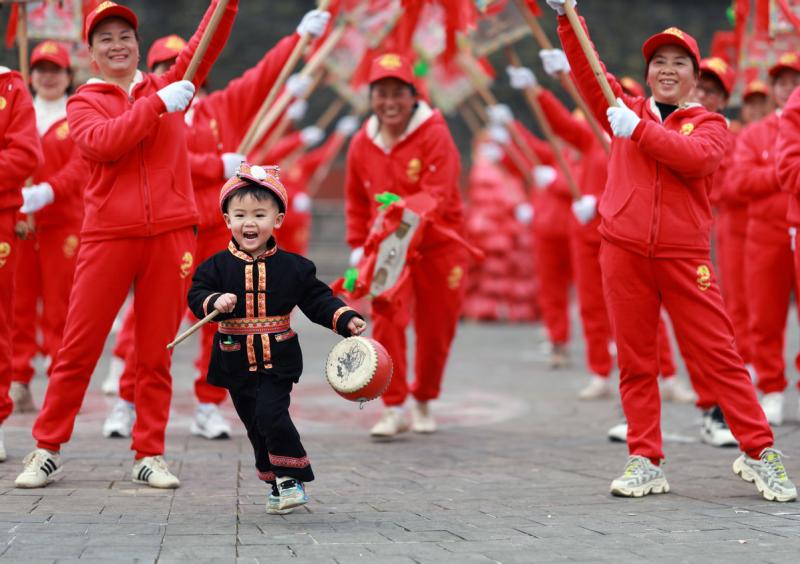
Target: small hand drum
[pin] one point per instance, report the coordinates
(359, 369)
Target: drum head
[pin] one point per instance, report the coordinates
(351, 365)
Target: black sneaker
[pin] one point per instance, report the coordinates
(715, 430)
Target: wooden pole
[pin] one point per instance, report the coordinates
(24, 228)
(208, 35)
(469, 118)
(591, 56)
(186, 334)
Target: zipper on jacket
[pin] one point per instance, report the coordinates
(145, 188)
(656, 215)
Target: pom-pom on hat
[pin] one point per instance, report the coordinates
(391, 65)
(164, 49)
(671, 36)
(51, 51)
(107, 10)
(787, 61)
(266, 177)
(722, 70)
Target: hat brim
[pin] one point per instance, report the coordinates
(660, 40)
(780, 67)
(398, 74)
(54, 58)
(725, 85)
(117, 11)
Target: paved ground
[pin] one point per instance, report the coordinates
(518, 473)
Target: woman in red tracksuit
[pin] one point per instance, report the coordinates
(20, 156)
(656, 223)
(138, 229)
(769, 264)
(406, 148)
(47, 256)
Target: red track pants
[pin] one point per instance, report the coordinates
(9, 251)
(432, 295)
(44, 272)
(731, 238)
(636, 287)
(555, 273)
(157, 269)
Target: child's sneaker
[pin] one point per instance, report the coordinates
(153, 471)
(119, 421)
(768, 474)
(641, 477)
(292, 493)
(274, 503)
(41, 468)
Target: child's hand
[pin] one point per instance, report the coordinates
(356, 326)
(225, 303)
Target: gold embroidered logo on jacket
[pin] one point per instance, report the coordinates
(687, 128)
(3, 103)
(5, 252)
(186, 264)
(455, 277)
(62, 132)
(413, 169)
(70, 246)
(703, 277)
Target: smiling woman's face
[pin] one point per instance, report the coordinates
(671, 75)
(115, 48)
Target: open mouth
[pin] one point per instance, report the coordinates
(250, 236)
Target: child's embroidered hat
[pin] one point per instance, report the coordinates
(267, 177)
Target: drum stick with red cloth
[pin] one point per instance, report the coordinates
(591, 56)
(186, 334)
(209, 33)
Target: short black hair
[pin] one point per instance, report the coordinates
(259, 193)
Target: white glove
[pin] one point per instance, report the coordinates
(585, 209)
(298, 85)
(347, 125)
(499, 135)
(36, 197)
(499, 114)
(622, 119)
(314, 23)
(558, 5)
(297, 110)
(301, 203)
(793, 237)
(176, 96)
(311, 135)
(356, 255)
(231, 162)
(492, 152)
(544, 176)
(524, 213)
(521, 77)
(554, 61)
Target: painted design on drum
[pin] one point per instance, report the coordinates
(288, 461)
(350, 361)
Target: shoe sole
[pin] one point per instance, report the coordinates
(291, 504)
(659, 486)
(720, 444)
(49, 480)
(388, 435)
(116, 435)
(198, 432)
(145, 483)
(272, 511)
(745, 473)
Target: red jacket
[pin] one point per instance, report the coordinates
(20, 151)
(657, 194)
(66, 171)
(425, 159)
(140, 182)
(756, 177)
(788, 152)
(219, 123)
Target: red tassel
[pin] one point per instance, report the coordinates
(11, 30)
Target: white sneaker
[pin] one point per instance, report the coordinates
(421, 419)
(768, 474)
(153, 471)
(676, 391)
(715, 430)
(618, 433)
(210, 423)
(110, 386)
(20, 394)
(3, 454)
(597, 388)
(41, 468)
(641, 477)
(119, 422)
(772, 404)
(390, 424)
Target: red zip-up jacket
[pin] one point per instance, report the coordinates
(756, 176)
(66, 171)
(140, 183)
(656, 201)
(425, 159)
(788, 155)
(20, 150)
(220, 121)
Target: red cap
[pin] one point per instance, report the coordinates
(787, 61)
(755, 87)
(107, 10)
(51, 51)
(391, 65)
(722, 70)
(671, 36)
(267, 177)
(631, 87)
(164, 49)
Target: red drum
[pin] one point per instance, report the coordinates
(359, 369)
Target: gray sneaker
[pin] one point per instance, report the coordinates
(768, 474)
(641, 477)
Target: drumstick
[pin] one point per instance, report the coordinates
(205, 40)
(591, 57)
(183, 336)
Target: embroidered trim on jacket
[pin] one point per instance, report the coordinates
(255, 325)
(337, 314)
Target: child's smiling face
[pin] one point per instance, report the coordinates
(252, 221)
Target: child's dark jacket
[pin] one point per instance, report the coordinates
(256, 336)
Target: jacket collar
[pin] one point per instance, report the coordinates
(137, 78)
(49, 113)
(272, 248)
(422, 114)
(656, 112)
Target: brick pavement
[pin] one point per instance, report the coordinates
(518, 473)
